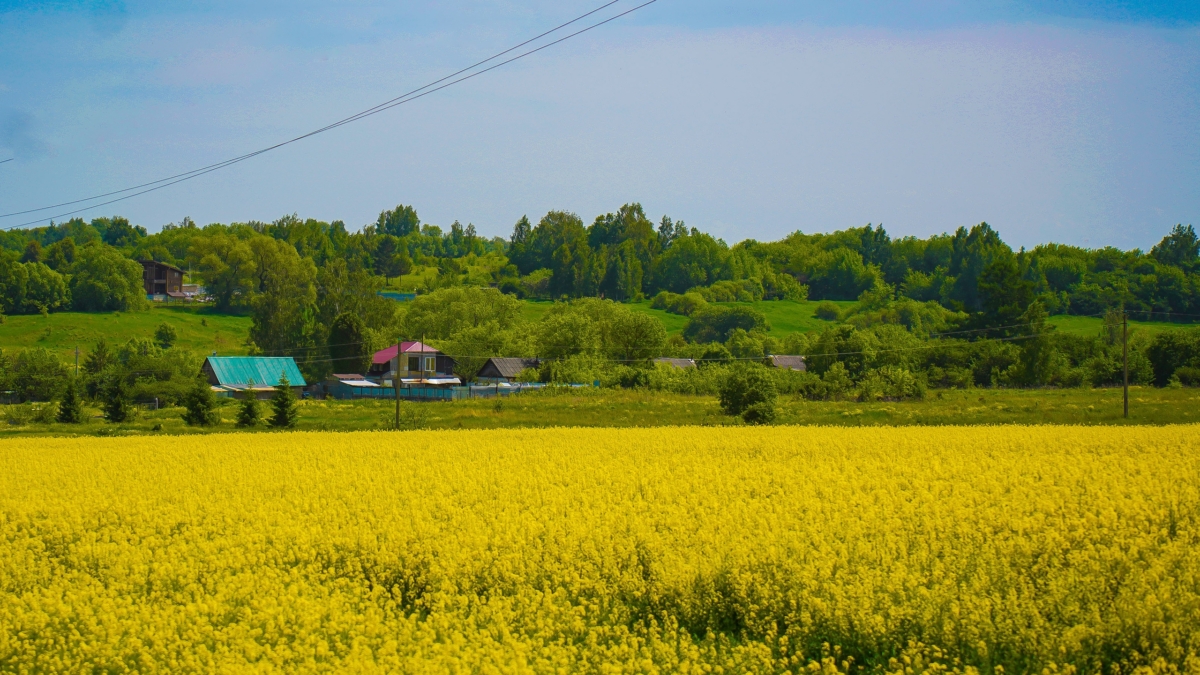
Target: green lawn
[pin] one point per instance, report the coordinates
(635, 408)
(200, 330)
(1090, 325)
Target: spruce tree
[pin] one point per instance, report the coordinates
(201, 405)
(284, 405)
(117, 407)
(249, 413)
(70, 408)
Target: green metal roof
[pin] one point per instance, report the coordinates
(262, 370)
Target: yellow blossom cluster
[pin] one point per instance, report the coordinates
(671, 550)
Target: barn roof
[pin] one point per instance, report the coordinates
(261, 370)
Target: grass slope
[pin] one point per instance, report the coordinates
(199, 329)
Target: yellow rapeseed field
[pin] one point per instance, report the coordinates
(723, 550)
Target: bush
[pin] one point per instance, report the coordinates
(685, 304)
(165, 335)
(827, 311)
(890, 383)
(745, 387)
(1188, 376)
(760, 413)
(716, 324)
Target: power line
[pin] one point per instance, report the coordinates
(413, 95)
(4, 161)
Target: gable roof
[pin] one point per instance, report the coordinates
(262, 370)
(789, 362)
(385, 355)
(677, 363)
(503, 366)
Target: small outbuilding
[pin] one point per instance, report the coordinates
(236, 376)
(351, 386)
(676, 363)
(789, 363)
(504, 369)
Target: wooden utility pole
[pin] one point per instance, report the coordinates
(396, 385)
(1125, 357)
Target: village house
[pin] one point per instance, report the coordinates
(412, 363)
(162, 281)
(236, 376)
(500, 369)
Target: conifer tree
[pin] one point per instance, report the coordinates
(117, 407)
(70, 408)
(283, 403)
(201, 405)
(249, 413)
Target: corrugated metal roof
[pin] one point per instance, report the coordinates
(262, 370)
(677, 363)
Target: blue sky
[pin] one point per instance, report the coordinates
(1068, 121)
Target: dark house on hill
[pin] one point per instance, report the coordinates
(162, 279)
(789, 362)
(504, 369)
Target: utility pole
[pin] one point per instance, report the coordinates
(1125, 357)
(76, 362)
(396, 384)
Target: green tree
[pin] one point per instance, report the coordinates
(285, 413)
(716, 323)
(70, 408)
(200, 405)
(1180, 248)
(226, 265)
(748, 392)
(249, 413)
(33, 252)
(103, 280)
(348, 344)
(284, 308)
(399, 222)
(165, 335)
(117, 406)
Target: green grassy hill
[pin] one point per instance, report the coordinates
(199, 329)
(203, 331)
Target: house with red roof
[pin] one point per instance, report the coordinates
(412, 363)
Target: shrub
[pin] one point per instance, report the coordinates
(747, 386)
(165, 335)
(1188, 376)
(716, 324)
(890, 383)
(760, 413)
(827, 311)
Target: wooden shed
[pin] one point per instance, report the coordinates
(504, 369)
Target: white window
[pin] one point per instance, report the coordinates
(430, 363)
